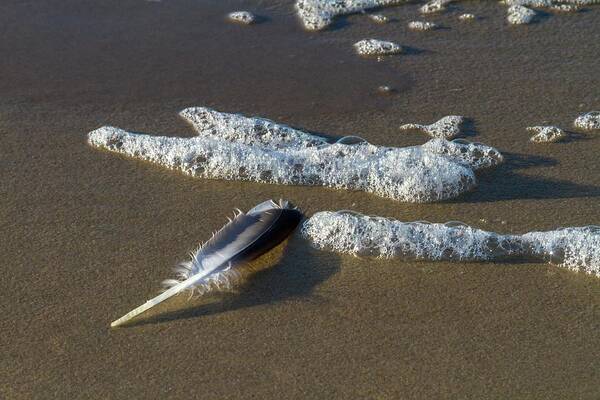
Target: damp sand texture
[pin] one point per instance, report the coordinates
(86, 234)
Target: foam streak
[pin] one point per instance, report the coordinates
(577, 249)
(234, 147)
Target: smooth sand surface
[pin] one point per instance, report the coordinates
(86, 236)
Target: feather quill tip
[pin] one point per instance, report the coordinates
(117, 323)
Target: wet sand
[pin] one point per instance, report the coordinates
(87, 235)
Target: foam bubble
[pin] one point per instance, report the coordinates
(447, 128)
(564, 7)
(242, 17)
(379, 18)
(589, 121)
(384, 89)
(546, 134)
(519, 15)
(466, 17)
(422, 26)
(234, 147)
(375, 47)
(577, 249)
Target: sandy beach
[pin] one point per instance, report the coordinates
(86, 235)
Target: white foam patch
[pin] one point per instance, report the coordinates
(437, 170)
(252, 131)
(256, 131)
(589, 121)
(434, 6)
(379, 18)
(529, 3)
(375, 47)
(546, 134)
(409, 174)
(319, 14)
(520, 15)
(564, 5)
(447, 128)
(577, 249)
(466, 17)
(475, 155)
(422, 26)
(242, 17)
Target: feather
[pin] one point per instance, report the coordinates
(217, 262)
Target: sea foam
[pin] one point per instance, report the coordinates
(589, 121)
(577, 249)
(520, 15)
(376, 47)
(319, 14)
(242, 17)
(546, 134)
(256, 131)
(234, 147)
(422, 26)
(252, 131)
(434, 6)
(379, 18)
(447, 128)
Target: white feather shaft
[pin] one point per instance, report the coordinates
(162, 297)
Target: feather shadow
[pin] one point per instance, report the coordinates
(294, 276)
